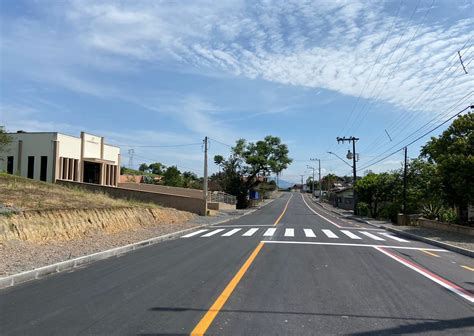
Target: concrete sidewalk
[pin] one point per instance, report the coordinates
(449, 240)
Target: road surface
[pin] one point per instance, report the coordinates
(290, 268)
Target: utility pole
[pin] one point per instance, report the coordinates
(405, 183)
(354, 167)
(319, 169)
(205, 176)
(312, 189)
(302, 185)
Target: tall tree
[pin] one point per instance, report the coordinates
(143, 167)
(453, 152)
(172, 177)
(157, 168)
(249, 161)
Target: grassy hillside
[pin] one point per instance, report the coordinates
(27, 194)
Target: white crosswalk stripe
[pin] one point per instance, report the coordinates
(212, 233)
(309, 233)
(388, 235)
(195, 233)
(231, 232)
(370, 235)
(350, 234)
(330, 234)
(270, 232)
(250, 232)
(289, 232)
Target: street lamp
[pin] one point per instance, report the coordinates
(340, 158)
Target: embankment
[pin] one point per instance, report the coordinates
(49, 225)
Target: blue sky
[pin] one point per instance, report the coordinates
(165, 73)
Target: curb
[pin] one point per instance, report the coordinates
(405, 234)
(15, 279)
(446, 246)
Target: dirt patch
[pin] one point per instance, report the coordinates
(18, 256)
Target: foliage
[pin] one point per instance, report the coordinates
(453, 153)
(172, 177)
(5, 139)
(449, 216)
(157, 168)
(248, 162)
(129, 171)
(143, 167)
(381, 193)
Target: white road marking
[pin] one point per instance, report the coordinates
(349, 244)
(231, 232)
(388, 235)
(350, 234)
(329, 233)
(433, 277)
(270, 232)
(195, 233)
(250, 232)
(309, 233)
(212, 233)
(370, 235)
(289, 232)
(328, 220)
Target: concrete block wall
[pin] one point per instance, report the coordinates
(180, 202)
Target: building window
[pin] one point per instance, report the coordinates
(44, 168)
(31, 167)
(10, 164)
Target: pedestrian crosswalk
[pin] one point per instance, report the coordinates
(292, 232)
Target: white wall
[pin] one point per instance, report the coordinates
(92, 144)
(69, 146)
(111, 153)
(34, 144)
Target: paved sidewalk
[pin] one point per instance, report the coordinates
(441, 236)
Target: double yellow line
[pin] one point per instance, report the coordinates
(208, 318)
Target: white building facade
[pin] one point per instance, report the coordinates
(51, 156)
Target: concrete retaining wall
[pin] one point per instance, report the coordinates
(195, 193)
(186, 203)
(445, 226)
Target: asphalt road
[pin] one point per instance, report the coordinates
(310, 274)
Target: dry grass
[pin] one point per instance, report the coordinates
(27, 194)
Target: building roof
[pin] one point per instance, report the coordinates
(72, 136)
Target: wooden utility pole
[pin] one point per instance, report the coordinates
(204, 188)
(405, 183)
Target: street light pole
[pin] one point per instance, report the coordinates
(312, 189)
(319, 169)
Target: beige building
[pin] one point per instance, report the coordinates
(51, 156)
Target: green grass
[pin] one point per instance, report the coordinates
(27, 194)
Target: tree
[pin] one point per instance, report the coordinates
(247, 162)
(172, 177)
(191, 180)
(143, 167)
(5, 139)
(157, 168)
(453, 152)
(380, 192)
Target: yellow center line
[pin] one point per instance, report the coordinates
(468, 268)
(211, 314)
(430, 253)
(284, 210)
(208, 318)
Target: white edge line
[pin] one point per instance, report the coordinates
(349, 244)
(330, 221)
(427, 275)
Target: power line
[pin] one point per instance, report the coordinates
(161, 146)
(434, 89)
(221, 143)
(420, 137)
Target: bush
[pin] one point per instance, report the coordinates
(449, 216)
(363, 209)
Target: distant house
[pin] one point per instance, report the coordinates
(51, 156)
(342, 198)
